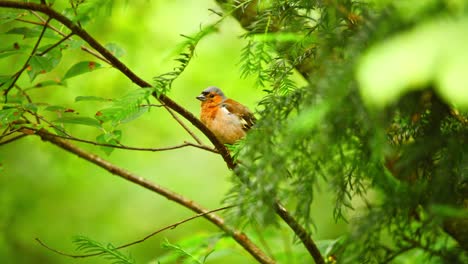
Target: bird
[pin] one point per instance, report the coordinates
(228, 119)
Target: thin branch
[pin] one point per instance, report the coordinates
(28, 98)
(77, 30)
(120, 146)
(238, 236)
(303, 235)
(84, 48)
(163, 98)
(12, 139)
(137, 241)
(26, 64)
(49, 123)
(32, 22)
(456, 114)
(245, 18)
(56, 44)
(183, 125)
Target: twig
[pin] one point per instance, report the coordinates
(245, 19)
(301, 233)
(183, 145)
(137, 241)
(18, 74)
(8, 132)
(456, 114)
(77, 30)
(28, 98)
(12, 139)
(182, 124)
(84, 48)
(163, 98)
(56, 44)
(238, 236)
(120, 146)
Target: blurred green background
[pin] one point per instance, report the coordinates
(52, 195)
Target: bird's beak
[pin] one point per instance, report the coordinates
(201, 97)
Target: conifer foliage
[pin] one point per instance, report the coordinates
(366, 99)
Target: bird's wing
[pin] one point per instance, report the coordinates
(247, 118)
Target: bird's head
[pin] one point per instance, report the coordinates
(211, 95)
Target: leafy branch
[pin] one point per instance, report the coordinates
(238, 236)
(26, 64)
(100, 251)
(115, 62)
(165, 81)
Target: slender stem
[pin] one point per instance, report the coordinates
(26, 64)
(77, 30)
(183, 145)
(181, 123)
(83, 48)
(303, 235)
(238, 236)
(12, 139)
(172, 226)
(56, 44)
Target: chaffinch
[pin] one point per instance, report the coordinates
(226, 118)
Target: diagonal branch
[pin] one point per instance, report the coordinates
(77, 30)
(300, 231)
(26, 64)
(172, 226)
(246, 16)
(184, 126)
(83, 47)
(238, 236)
(8, 141)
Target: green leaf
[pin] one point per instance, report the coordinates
(33, 32)
(433, 54)
(135, 114)
(278, 36)
(55, 108)
(10, 16)
(449, 211)
(119, 115)
(9, 115)
(87, 121)
(45, 84)
(91, 98)
(112, 138)
(13, 49)
(5, 81)
(42, 64)
(31, 107)
(115, 49)
(81, 67)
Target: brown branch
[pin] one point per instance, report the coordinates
(77, 30)
(303, 235)
(83, 48)
(246, 16)
(56, 44)
(12, 139)
(137, 241)
(26, 64)
(238, 236)
(28, 98)
(120, 146)
(183, 125)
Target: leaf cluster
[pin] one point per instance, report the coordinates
(399, 161)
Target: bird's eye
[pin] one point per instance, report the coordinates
(211, 95)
